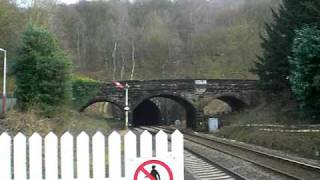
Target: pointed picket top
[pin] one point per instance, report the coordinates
(5, 138)
(177, 133)
(130, 135)
(5, 135)
(161, 134)
(161, 144)
(145, 144)
(98, 155)
(35, 137)
(98, 135)
(114, 134)
(66, 135)
(83, 136)
(5, 156)
(51, 136)
(20, 137)
(146, 134)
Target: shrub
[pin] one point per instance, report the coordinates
(83, 89)
(43, 72)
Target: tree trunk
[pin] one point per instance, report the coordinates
(122, 66)
(114, 60)
(133, 51)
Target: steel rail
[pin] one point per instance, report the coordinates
(201, 156)
(288, 167)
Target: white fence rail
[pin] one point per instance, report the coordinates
(85, 158)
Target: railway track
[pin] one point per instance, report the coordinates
(201, 168)
(286, 168)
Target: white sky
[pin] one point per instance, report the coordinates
(69, 1)
(25, 3)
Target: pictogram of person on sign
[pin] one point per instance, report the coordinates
(155, 173)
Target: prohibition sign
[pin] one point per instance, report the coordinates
(142, 168)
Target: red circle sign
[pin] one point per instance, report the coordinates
(142, 168)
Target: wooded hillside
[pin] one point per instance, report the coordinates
(148, 39)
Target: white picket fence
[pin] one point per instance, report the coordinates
(51, 158)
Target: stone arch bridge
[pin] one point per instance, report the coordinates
(193, 95)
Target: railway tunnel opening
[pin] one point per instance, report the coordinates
(164, 110)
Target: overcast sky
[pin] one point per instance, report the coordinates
(69, 1)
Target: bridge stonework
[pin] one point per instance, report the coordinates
(193, 95)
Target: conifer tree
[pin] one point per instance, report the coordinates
(43, 73)
(305, 73)
(273, 67)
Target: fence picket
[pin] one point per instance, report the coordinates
(5, 156)
(83, 166)
(161, 144)
(19, 154)
(130, 151)
(145, 144)
(51, 156)
(67, 156)
(177, 152)
(114, 151)
(98, 156)
(35, 156)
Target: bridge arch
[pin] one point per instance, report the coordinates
(188, 106)
(235, 101)
(102, 99)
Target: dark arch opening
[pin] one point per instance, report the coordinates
(147, 110)
(146, 114)
(235, 103)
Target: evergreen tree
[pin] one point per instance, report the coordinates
(305, 75)
(43, 73)
(273, 67)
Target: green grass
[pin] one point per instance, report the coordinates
(303, 144)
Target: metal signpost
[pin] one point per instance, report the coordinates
(4, 96)
(127, 108)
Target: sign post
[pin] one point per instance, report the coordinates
(127, 108)
(4, 96)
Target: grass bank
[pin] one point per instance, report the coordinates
(279, 128)
(70, 120)
(303, 144)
